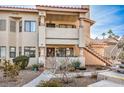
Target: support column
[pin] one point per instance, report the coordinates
(42, 55)
(81, 41)
(22, 37)
(7, 41)
(42, 37)
(82, 58)
(42, 32)
(81, 33)
(17, 37)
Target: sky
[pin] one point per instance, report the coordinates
(107, 17)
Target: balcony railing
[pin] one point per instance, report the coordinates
(53, 62)
(67, 33)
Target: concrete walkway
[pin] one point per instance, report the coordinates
(105, 83)
(112, 76)
(45, 76)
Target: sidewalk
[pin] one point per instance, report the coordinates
(105, 83)
(45, 76)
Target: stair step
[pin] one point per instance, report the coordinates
(111, 76)
(105, 83)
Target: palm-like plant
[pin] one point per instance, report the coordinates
(110, 32)
(103, 34)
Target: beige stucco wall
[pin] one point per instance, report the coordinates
(99, 50)
(3, 38)
(86, 30)
(8, 38)
(35, 39)
(91, 59)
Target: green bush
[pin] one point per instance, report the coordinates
(76, 64)
(22, 61)
(35, 67)
(51, 83)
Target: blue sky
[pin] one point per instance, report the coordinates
(107, 17)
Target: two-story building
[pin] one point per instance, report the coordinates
(44, 32)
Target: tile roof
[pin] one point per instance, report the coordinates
(34, 7)
(64, 6)
(17, 7)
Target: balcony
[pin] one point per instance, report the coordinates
(61, 35)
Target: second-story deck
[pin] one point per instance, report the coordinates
(61, 35)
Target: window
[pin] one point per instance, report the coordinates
(66, 26)
(2, 52)
(30, 26)
(29, 51)
(60, 52)
(20, 26)
(2, 25)
(64, 52)
(69, 52)
(50, 24)
(12, 26)
(12, 52)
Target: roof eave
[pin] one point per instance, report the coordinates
(62, 9)
(18, 9)
(89, 20)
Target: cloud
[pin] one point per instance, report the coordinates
(107, 17)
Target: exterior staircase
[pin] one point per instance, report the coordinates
(102, 58)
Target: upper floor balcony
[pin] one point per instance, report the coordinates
(61, 33)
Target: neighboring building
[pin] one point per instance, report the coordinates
(43, 32)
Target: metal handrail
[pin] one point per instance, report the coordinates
(115, 49)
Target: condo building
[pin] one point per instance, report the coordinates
(44, 33)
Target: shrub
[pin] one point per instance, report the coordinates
(71, 68)
(41, 65)
(10, 70)
(51, 83)
(76, 64)
(63, 66)
(35, 67)
(121, 56)
(22, 61)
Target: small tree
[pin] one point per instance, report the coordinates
(22, 61)
(103, 34)
(110, 32)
